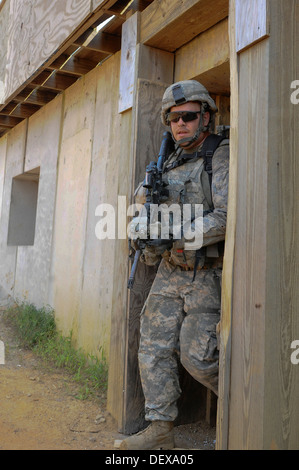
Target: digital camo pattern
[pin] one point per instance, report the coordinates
(189, 184)
(178, 321)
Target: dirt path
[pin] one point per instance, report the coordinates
(39, 409)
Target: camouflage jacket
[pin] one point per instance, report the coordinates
(189, 184)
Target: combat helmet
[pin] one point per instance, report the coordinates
(183, 92)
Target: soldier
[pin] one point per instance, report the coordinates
(180, 315)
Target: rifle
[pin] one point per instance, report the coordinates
(154, 190)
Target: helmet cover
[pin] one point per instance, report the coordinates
(183, 92)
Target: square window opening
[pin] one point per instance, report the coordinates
(23, 205)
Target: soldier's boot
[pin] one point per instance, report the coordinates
(158, 435)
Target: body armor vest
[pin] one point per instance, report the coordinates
(187, 181)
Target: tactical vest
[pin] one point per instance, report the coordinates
(187, 179)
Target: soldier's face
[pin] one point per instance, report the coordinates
(183, 130)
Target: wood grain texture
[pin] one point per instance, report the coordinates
(129, 39)
(149, 127)
(168, 25)
(281, 429)
(248, 295)
(258, 394)
(228, 266)
(207, 51)
(4, 20)
(251, 22)
(35, 30)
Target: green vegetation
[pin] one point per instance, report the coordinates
(37, 330)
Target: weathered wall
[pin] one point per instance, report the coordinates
(30, 40)
(258, 406)
(83, 266)
(77, 141)
(33, 263)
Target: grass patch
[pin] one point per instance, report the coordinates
(36, 329)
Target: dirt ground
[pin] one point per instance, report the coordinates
(39, 409)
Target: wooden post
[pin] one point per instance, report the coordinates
(147, 75)
(258, 406)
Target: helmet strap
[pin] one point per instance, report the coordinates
(201, 128)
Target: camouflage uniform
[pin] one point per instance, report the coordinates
(179, 318)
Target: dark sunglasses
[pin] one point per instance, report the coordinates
(186, 116)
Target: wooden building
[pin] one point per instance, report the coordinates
(80, 90)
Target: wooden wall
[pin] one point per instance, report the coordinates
(4, 20)
(258, 406)
(82, 164)
(31, 39)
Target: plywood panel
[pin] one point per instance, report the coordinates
(261, 403)
(247, 366)
(99, 277)
(149, 128)
(15, 152)
(251, 22)
(119, 319)
(4, 21)
(33, 38)
(168, 25)
(72, 202)
(3, 143)
(154, 64)
(207, 51)
(33, 266)
(129, 39)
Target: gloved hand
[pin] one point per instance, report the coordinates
(186, 238)
(151, 255)
(138, 228)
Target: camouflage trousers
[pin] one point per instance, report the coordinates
(178, 322)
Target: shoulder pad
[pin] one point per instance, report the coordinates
(224, 142)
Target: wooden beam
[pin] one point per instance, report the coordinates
(91, 55)
(72, 65)
(102, 42)
(35, 96)
(206, 52)
(55, 80)
(24, 110)
(9, 121)
(222, 428)
(41, 78)
(216, 80)
(253, 12)
(9, 107)
(168, 25)
(259, 386)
